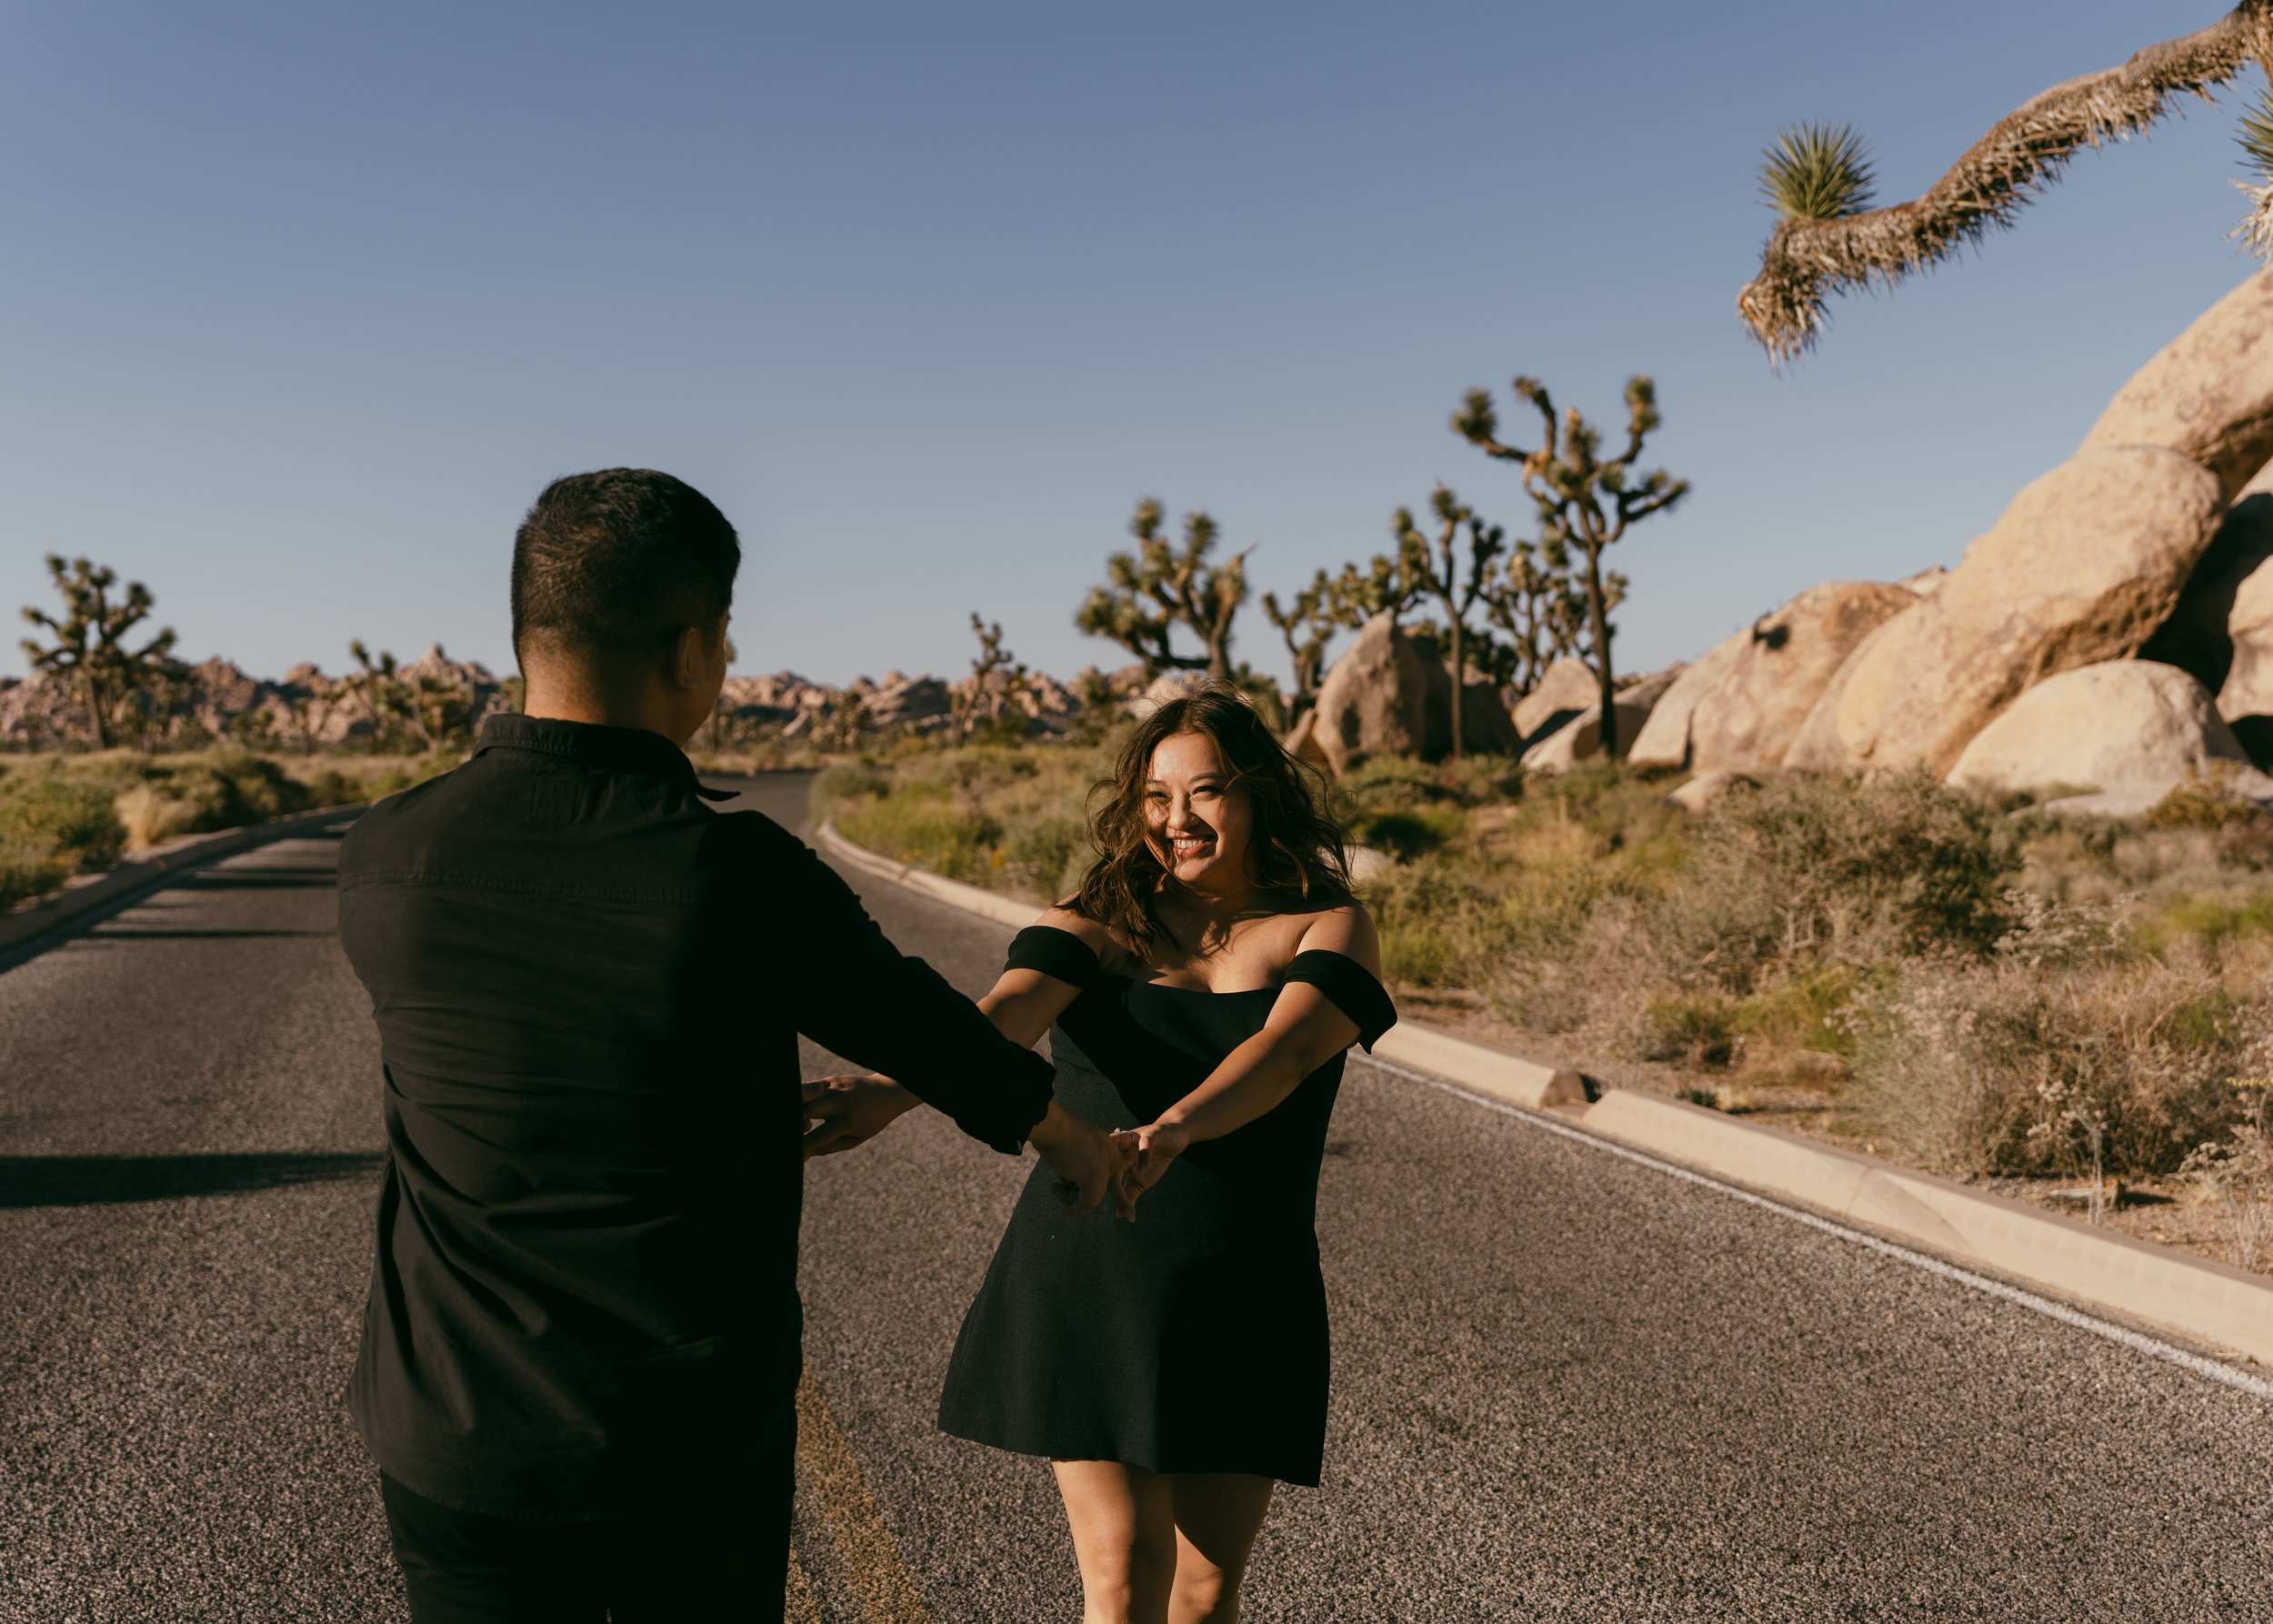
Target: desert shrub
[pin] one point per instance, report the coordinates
(226, 789)
(2236, 1172)
(1814, 869)
(149, 816)
(1406, 835)
(847, 782)
(1422, 953)
(2067, 1050)
(921, 823)
(1698, 1027)
(2204, 802)
(27, 872)
(328, 786)
(1390, 784)
(66, 817)
(1040, 857)
(2246, 842)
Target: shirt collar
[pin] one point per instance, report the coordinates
(626, 749)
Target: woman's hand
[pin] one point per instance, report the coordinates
(850, 1110)
(1149, 1150)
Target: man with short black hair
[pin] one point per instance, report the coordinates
(582, 1343)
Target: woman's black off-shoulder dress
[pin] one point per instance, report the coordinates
(1194, 1339)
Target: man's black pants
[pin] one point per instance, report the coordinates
(725, 1561)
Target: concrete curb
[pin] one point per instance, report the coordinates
(971, 899)
(2209, 1302)
(2206, 1302)
(116, 887)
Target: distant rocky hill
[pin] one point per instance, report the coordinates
(307, 707)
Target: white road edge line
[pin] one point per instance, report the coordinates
(2138, 1342)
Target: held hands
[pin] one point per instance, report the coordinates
(1088, 1160)
(849, 1110)
(1147, 1153)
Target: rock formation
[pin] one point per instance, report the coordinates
(2199, 637)
(1564, 689)
(1579, 738)
(1747, 719)
(2208, 395)
(2083, 567)
(1370, 703)
(2123, 724)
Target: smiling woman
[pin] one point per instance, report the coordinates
(1206, 980)
(1203, 794)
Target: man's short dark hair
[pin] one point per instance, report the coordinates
(614, 563)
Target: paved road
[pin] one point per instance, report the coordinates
(1566, 1386)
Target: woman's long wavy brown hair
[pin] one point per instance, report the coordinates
(1296, 850)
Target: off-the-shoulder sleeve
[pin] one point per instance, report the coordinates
(1058, 954)
(1350, 987)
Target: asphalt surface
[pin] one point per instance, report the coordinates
(1565, 1386)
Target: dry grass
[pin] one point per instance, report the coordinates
(150, 817)
(62, 814)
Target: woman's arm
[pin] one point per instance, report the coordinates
(850, 1110)
(1305, 1030)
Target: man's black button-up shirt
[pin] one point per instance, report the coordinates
(588, 986)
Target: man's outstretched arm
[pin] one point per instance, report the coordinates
(857, 994)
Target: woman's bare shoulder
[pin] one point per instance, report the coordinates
(1092, 935)
(1346, 928)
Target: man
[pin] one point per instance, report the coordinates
(580, 1348)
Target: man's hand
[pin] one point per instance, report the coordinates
(1084, 1158)
(850, 1110)
(1147, 1153)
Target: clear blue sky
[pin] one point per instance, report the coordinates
(300, 305)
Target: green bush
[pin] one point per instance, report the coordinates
(1812, 869)
(229, 788)
(921, 823)
(24, 875)
(846, 783)
(66, 817)
(1047, 858)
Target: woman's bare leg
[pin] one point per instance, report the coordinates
(1218, 1515)
(1125, 1538)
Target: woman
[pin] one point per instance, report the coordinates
(1205, 981)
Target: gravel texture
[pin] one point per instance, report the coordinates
(1566, 1386)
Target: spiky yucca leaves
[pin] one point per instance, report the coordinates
(1585, 503)
(1307, 625)
(1808, 259)
(2256, 139)
(1817, 172)
(1437, 564)
(1389, 584)
(90, 650)
(1150, 592)
(1539, 606)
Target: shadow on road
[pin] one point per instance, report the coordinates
(92, 1180)
(101, 934)
(262, 880)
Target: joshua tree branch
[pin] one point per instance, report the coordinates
(1808, 259)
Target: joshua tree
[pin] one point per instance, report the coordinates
(997, 679)
(441, 709)
(1438, 569)
(1150, 592)
(1533, 600)
(1307, 625)
(377, 687)
(1389, 584)
(1818, 179)
(1585, 502)
(159, 699)
(90, 650)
